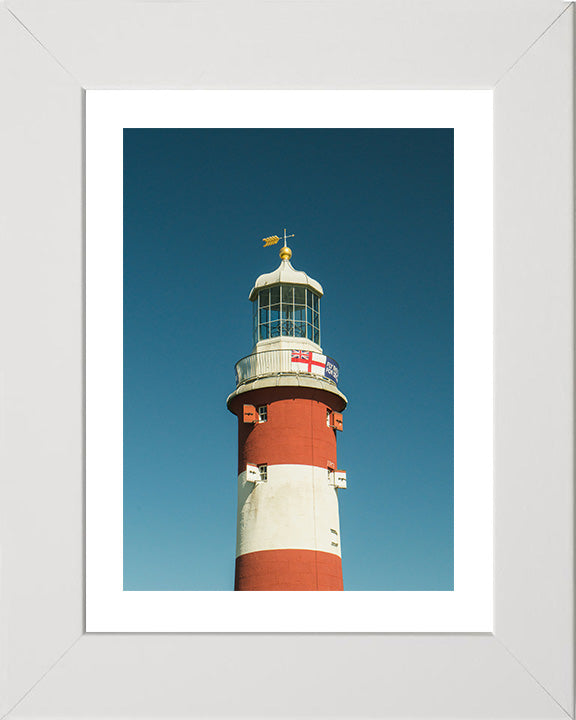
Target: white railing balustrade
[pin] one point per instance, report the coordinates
(286, 362)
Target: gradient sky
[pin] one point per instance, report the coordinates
(372, 212)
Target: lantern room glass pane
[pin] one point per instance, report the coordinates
(300, 329)
(309, 331)
(264, 298)
(264, 315)
(299, 295)
(275, 328)
(299, 314)
(274, 295)
(287, 294)
(275, 312)
(316, 336)
(264, 332)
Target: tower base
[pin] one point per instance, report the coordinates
(288, 569)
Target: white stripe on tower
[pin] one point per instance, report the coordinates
(296, 508)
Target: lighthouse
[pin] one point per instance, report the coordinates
(289, 411)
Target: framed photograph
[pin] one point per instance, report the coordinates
(518, 664)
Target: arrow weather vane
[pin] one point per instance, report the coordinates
(273, 239)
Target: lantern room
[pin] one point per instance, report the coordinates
(286, 311)
(286, 307)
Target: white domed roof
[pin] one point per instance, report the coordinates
(285, 273)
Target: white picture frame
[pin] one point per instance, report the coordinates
(52, 51)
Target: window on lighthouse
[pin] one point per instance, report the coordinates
(287, 311)
(263, 413)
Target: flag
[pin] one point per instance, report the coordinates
(272, 240)
(316, 364)
(332, 370)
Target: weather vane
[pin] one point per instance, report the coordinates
(285, 252)
(273, 239)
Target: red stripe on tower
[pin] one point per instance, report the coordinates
(288, 570)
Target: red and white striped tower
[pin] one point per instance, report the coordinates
(289, 409)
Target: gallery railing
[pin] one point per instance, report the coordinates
(286, 362)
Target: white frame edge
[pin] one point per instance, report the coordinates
(51, 668)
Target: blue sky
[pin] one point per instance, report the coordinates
(372, 214)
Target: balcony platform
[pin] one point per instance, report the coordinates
(286, 379)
